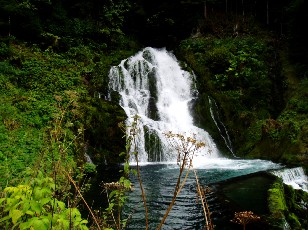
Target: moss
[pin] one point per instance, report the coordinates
(293, 221)
(296, 201)
(104, 137)
(276, 202)
(276, 205)
(287, 204)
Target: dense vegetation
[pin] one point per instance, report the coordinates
(250, 56)
(247, 77)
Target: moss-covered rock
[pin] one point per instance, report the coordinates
(287, 206)
(277, 205)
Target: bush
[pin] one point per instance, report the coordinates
(32, 206)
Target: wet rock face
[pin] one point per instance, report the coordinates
(104, 136)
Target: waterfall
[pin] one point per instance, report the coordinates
(219, 124)
(88, 158)
(295, 177)
(153, 85)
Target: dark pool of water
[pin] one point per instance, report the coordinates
(231, 191)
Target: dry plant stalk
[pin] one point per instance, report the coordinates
(207, 214)
(186, 148)
(133, 135)
(244, 218)
(84, 201)
(115, 185)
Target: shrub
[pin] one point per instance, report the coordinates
(32, 206)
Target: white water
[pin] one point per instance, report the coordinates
(88, 158)
(153, 85)
(220, 126)
(295, 177)
(152, 80)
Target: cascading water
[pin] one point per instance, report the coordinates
(153, 85)
(295, 177)
(220, 126)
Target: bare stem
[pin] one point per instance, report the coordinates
(140, 181)
(77, 189)
(143, 196)
(177, 190)
(206, 211)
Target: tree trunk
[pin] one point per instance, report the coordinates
(9, 26)
(205, 10)
(267, 13)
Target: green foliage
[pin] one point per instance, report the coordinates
(240, 66)
(53, 23)
(5, 50)
(90, 168)
(37, 87)
(255, 131)
(286, 127)
(234, 64)
(41, 129)
(235, 72)
(298, 105)
(218, 59)
(100, 120)
(32, 206)
(116, 191)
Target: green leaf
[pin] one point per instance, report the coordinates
(122, 154)
(2, 199)
(5, 218)
(37, 193)
(75, 212)
(30, 213)
(26, 206)
(45, 200)
(109, 207)
(35, 206)
(127, 183)
(41, 224)
(83, 222)
(126, 167)
(112, 194)
(16, 214)
(134, 171)
(61, 205)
